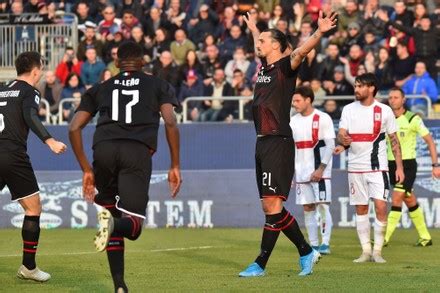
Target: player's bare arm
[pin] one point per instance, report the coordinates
(434, 157)
(79, 121)
(397, 152)
(172, 133)
(317, 174)
(252, 26)
(344, 138)
(324, 25)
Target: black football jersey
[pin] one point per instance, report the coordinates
(273, 98)
(15, 98)
(129, 107)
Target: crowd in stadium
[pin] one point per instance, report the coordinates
(203, 48)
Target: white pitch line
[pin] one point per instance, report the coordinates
(136, 251)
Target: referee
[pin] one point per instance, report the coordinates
(410, 125)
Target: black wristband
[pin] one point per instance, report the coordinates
(435, 165)
(346, 147)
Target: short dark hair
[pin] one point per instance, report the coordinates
(398, 89)
(280, 37)
(27, 61)
(305, 92)
(130, 50)
(368, 79)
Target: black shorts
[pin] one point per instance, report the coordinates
(122, 171)
(17, 174)
(275, 165)
(410, 171)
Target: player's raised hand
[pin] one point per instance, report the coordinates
(338, 150)
(56, 146)
(328, 22)
(250, 22)
(400, 176)
(89, 186)
(174, 181)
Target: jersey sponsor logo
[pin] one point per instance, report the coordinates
(9, 94)
(127, 82)
(264, 79)
(37, 99)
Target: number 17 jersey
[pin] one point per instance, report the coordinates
(129, 107)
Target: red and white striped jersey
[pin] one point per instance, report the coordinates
(309, 133)
(368, 126)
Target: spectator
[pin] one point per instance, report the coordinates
(72, 88)
(181, 46)
(31, 6)
(218, 110)
(132, 5)
(229, 19)
(91, 69)
(206, 23)
(129, 21)
(247, 108)
(105, 75)
(420, 84)
(165, 68)
(318, 91)
(110, 24)
(349, 14)
(371, 21)
(426, 41)
(384, 71)
(355, 59)
(266, 7)
(159, 44)
(370, 42)
(339, 86)
(332, 109)
(68, 64)
(154, 22)
(191, 63)
(276, 15)
(354, 38)
(90, 41)
(175, 16)
(17, 8)
(209, 40)
(111, 66)
(236, 40)
(82, 12)
(50, 89)
(329, 63)
(396, 36)
(309, 67)
(109, 45)
(211, 63)
(403, 64)
(239, 61)
(239, 83)
(137, 36)
(419, 11)
(192, 87)
(402, 14)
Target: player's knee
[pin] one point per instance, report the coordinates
(272, 205)
(136, 229)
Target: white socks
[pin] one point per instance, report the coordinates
(311, 224)
(379, 235)
(363, 228)
(326, 223)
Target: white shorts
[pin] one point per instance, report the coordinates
(313, 192)
(363, 186)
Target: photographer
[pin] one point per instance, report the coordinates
(69, 64)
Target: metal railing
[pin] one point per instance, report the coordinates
(47, 106)
(241, 102)
(61, 108)
(50, 40)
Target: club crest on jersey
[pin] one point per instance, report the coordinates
(377, 116)
(315, 125)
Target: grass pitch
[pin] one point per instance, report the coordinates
(204, 260)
